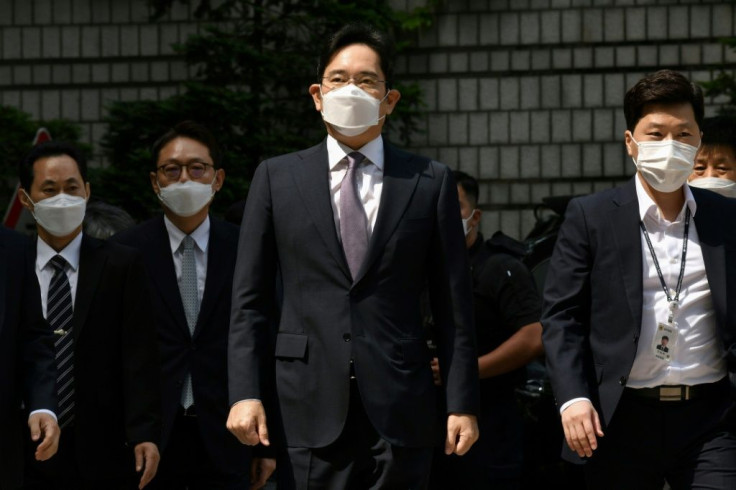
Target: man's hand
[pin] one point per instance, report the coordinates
(581, 425)
(462, 432)
(247, 420)
(44, 428)
(146, 460)
(436, 372)
(260, 471)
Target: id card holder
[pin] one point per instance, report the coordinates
(664, 341)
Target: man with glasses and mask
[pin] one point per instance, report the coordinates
(715, 163)
(190, 258)
(95, 298)
(632, 265)
(356, 228)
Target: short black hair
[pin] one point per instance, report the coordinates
(719, 130)
(45, 150)
(662, 87)
(664, 337)
(357, 33)
(469, 185)
(103, 220)
(191, 130)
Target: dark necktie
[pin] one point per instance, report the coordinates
(59, 313)
(190, 300)
(353, 221)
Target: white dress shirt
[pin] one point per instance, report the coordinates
(369, 177)
(697, 354)
(45, 271)
(201, 237)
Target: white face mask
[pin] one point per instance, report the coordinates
(665, 165)
(59, 215)
(350, 109)
(726, 187)
(186, 198)
(466, 226)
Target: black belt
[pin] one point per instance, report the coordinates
(679, 393)
(188, 412)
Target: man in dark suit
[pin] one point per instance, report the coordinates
(357, 229)
(95, 298)
(198, 451)
(27, 367)
(649, 259)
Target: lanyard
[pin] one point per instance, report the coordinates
(672, 301)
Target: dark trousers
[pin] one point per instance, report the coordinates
(686, 443)
(358, 460)
(186, 464)
(61, 472)
(495, 460)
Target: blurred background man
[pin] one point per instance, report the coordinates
(715, 163)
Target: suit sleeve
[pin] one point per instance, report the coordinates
(451, 302)
(566, 311)
(141, 365)
(38, 355)
(253, 295)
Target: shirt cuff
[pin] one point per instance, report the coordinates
(570, 402)
(246, 400)
(43, 410)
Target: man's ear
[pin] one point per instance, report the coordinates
(219, 179)
(154, 183)
(630, 145)
(24, 199)
(475, 220)
(316, 96)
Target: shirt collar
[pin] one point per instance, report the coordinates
(373, 151)
(647, 206)
(44, 253)
(201, 234)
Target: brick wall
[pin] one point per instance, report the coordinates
(524, 94)
(527, 95)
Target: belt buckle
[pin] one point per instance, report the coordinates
(673, 393)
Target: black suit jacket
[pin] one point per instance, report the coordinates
(327, 318)
(27, 366)
(205, 354)
(117, 400)
(593, 293)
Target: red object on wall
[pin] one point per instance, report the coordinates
(15, 208)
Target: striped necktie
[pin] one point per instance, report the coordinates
(59, 313)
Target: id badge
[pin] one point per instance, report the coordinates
(664, 341)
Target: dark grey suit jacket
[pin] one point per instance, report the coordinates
(327, 318)
(203, 355)
(593, 293)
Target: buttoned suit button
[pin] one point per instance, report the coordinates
(636, 339)
(622, 381)
(346, 337)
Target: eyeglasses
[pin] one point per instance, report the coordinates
(172, 171)
(366, 82)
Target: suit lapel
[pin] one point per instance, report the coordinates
(625, 230)
(163, 273)
(400, 178)
(311, 179)
(91, 264)
(217, 271)
(714, 253)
